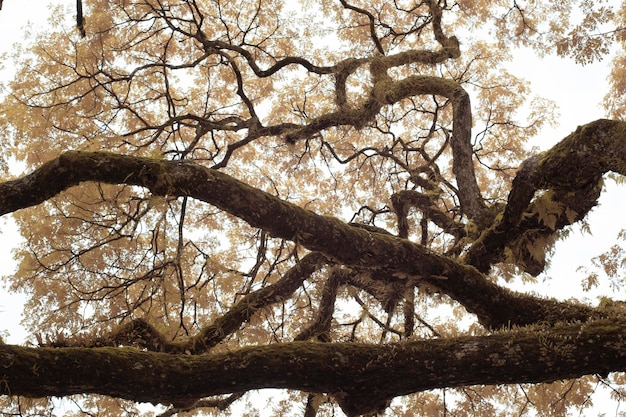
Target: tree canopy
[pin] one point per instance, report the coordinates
(327, 197)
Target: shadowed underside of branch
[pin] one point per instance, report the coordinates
(572, 170)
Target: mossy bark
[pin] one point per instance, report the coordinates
(361, 377)
(340, 242)
(601, 144)
(572, 170)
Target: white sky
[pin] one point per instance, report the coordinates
(17, 18)
(553, 78)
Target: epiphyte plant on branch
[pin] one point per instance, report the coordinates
(326, 197)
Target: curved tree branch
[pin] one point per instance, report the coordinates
(463, 167)
(573, 170)
(342, 243)
(388, 91)
(370, 17)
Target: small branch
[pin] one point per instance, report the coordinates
(405, 199)
(139, 333)
(320, 327)
(370, 17)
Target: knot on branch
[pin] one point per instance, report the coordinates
(141, 334)
(354, 405)
(155, 177)
(452, 47)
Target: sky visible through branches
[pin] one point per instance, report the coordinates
(553, 78)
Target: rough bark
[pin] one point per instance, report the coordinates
(352, 246)
(572, 169)
(531, 340)
(361, 377)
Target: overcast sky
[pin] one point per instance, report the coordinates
(577, 90)
(18, 18)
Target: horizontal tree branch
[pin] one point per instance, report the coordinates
(361, 377)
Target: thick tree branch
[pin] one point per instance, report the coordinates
(362, 378)
(463, 167)
(573, 170)
(340, 242)
(347, 244)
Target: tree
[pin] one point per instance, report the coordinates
(231, 196)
